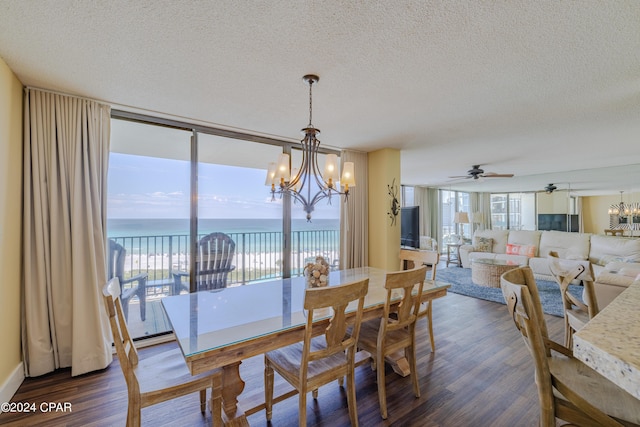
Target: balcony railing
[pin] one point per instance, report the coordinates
(258, 255)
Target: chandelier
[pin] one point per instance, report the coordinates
(618, 209)
(305, 183)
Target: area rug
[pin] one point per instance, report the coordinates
(460, 279)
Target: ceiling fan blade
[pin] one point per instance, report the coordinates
(497, 175)
(460, 177)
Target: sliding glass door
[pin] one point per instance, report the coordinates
(148, 204)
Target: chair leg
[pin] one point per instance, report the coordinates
(125, 308)
(268, 389)
(430, 320)
(203, 401)
(382, 389)
(302, 409)
(351, 398)
(314, 393)
(134, 415)
(142, 297)
(411, 358)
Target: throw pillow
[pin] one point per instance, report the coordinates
(525, 250)
(482, 244)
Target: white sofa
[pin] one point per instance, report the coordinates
(615, 260)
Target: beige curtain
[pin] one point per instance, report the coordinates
(427, 199)
(480, 204)
(354, 215)
(66, 149)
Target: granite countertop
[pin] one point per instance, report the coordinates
(610, 342)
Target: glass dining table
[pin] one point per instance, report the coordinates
(220, 328)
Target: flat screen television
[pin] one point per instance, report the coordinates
(558, 222)
(410, 227)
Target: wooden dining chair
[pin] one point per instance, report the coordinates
(410, 259)
(159, 378)
(576, 312)
(567, 388)
(319, 360)
(395, 330)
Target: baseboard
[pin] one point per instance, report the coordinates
(11, 385)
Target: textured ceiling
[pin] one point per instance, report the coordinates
(532, 88)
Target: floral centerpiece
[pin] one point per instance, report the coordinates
(317, 273)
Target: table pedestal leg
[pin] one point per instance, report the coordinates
(399, 363)
(232, 386)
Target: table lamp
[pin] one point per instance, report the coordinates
(461, 218)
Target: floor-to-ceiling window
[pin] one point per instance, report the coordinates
(170, 184)
(452, 202)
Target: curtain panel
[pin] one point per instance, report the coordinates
(427, 199)
(66, 152)
(480, 204)
(354, 217)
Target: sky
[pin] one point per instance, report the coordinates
(151, 187)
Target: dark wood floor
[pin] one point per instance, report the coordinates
(479, 375)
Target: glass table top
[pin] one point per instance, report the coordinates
(208, 320)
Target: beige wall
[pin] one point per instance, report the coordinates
(10, 220)
(384, 238)
(554, 203)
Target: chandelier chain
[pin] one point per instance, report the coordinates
(310, 102)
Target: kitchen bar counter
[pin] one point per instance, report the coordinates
(610, 342)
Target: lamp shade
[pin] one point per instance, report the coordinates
(461, 218)
(348, 177)
(330, 174)
(271, 174)
(282, 171)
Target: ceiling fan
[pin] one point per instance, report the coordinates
(550, 188)
(476, 173)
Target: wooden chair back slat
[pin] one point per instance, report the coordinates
(576, 311)
(410, 259)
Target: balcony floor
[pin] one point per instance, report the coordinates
(155, 322)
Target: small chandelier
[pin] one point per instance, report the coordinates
(305, 184)
(618, 209)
